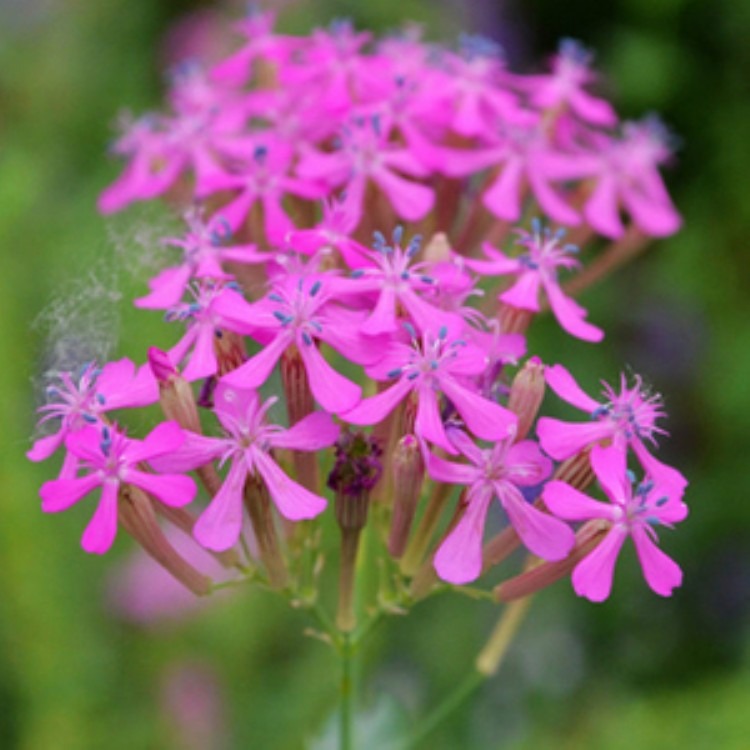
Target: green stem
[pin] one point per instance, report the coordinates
(453, 701)
(346, 726)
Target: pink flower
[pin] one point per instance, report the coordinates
(80, 400)
(113, 460)
(431, 366)
(299, 312)
(495, 472)
(627, 418)
(248, 444)
(536, 270)
(632, 512)
(203, 251)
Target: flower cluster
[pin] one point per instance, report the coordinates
(307, 171)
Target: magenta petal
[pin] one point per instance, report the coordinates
(102, 528)
(174, 490)
(544, 535)
(203, 358)
(331, 390)
(484, 418)
(654, 217)
(524, 294)
(554, 206)
(458, 560)
(572, 505)
(526, 466)
(45, 446)
(292, 500)
(602, 209)
(504, 196)
(669, 480)
(610, 466)
(661, 572)
(257, 369)
(428, 424)
(448, 472)
(376, 408)
(219, 526)
(571, 315)
(312, 433)
(167, 288)
(60, 494)
(412, 201)
(592, 577)
(164, 438)
(565, 386)
(383, 317)
(196, 451)
(561, 440)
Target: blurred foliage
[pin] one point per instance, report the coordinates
(637, 672)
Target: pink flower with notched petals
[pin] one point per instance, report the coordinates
(113, 460)
(248, 444)
(495, 472)
(627, 419)
(78, 401)
(300, 311)
(430, 366)
(536, 270)
(204, 249)
(633, 512)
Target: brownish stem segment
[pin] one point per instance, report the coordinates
(258, 503)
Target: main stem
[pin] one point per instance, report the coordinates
(346, 725)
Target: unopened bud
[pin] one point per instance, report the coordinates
(258, 504)
(408, 471)
(544, 574)
(136, 515)
(526, 395)
(438, 249)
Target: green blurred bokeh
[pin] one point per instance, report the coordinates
(637, 672)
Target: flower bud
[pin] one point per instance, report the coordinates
(514, 319)
(526, 395)
(576, 471)
(258, 504)
(408, 471)
(136, 515)
(544, 574)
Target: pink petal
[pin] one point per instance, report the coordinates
(195, 451)
(45, 446)
(376, 408)
(562, 440)
(292, 500)
(167, 288)
(412, 201)
(571, 315)
(484, 418)
(428, 423)
(219, 526)
(102, 528)
(203, 358)
(450, 473)
(504, 196)
(458, 560)
(61, 494)
(610, 466)
(164, 438)
(331, 390)
(525, 464)
(572, 505)
(312, 433)
(383, 317)
(602, 209)
(656, 218)
(661, 572)
(524, 294)
(554, 206)
(174, 490)
(592, 577)
(257, 369)
(544, 535)
(565, 386)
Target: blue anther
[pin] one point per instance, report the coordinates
(630, 475)
(394, 373)
(397, 235)
(600, 411)
(357, 273)
(443, 332)
(412, 376)
(536, 225)
(101, 399)
(276, 298)
(90, 418)
(409, 328)
(307, 338)
(283, 318)
(661, 501)
(414, 245)
(571, 249)
(427, 279)
(404, 275)
(260, 154)
(315, 288)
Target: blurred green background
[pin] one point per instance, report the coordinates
(637, 672)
